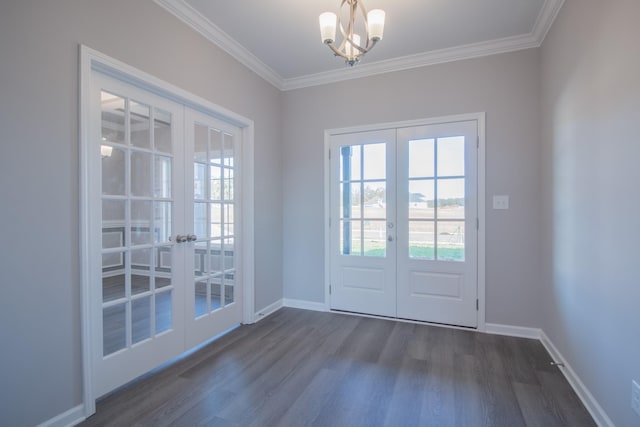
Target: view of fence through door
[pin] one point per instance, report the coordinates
(403, 222)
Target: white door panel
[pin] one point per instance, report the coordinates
(363, 233)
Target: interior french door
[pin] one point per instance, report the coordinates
(404, 240)
(164, 185)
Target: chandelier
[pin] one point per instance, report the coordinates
(350, 48)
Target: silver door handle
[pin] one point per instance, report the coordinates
(390, 238)
(181, 239)
(192, 238)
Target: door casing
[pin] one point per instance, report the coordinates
(480, 118)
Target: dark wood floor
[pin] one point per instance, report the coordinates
(298, 368)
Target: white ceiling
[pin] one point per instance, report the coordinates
(280, 39)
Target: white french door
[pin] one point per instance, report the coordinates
(163, 183)
(363, 272)
(404, 242)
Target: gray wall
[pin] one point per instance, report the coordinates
(591, 121)
(40, 360)
(505, 86)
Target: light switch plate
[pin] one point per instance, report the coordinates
(635, 397)
(500, 202)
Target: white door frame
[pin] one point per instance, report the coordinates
(480, 118)
(92, 61)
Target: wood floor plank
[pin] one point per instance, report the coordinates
(302, 368)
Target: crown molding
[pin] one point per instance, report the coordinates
(433, 57)
(182, 10)
(194, 19)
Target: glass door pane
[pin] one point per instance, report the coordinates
(137, 204)
(213, 219)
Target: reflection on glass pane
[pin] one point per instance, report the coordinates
(451, 198)
(228, 184)
(140, 222)
(113, 287)
(162, 177)
(162, 131)
(199, 181)
(140, 278)
(350, 156)
(113, 108)
(114, 336)
(350, 237)
(451, 156)
(140, 126)
(216, 294)
(200, 143)
(140, 319)
(112, 261)
(200, 258)
(163, 267)
(375, 238)
(421, 158)
(113, 173)
(421, 199)
(162, 221)
(228, 295)
(228, 254)
(200, 219)
(350, 206)
(451, 241)
(215, 182)
(422, 239)
(113, 223)
(163, 311)
(215, 210)
(375, 161)
(228, 150)
(375, 200)
(215, 146)
(228, 220)
(200, 298)
(141, 174)
(215, 257)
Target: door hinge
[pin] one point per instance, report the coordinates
(329, 154)
(329, 289)
(478, 141)
(477, 304)
(477, 223)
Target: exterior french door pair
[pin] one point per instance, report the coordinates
(403, 223)
(164, 185)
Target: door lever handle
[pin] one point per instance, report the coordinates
(192, 238)
(181, 239)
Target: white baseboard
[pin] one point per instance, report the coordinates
(305, 305)
(599, 415)
(268, 310)
(68, 418)
(513, 331)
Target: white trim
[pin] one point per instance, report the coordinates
(599, 415)
(68, 418)
(480, 118)
(434, 57)
(546, 18)
(90, 61)
(304, 305)
(194, 19)
(268, 310)
(512, 331)
(198, 22)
